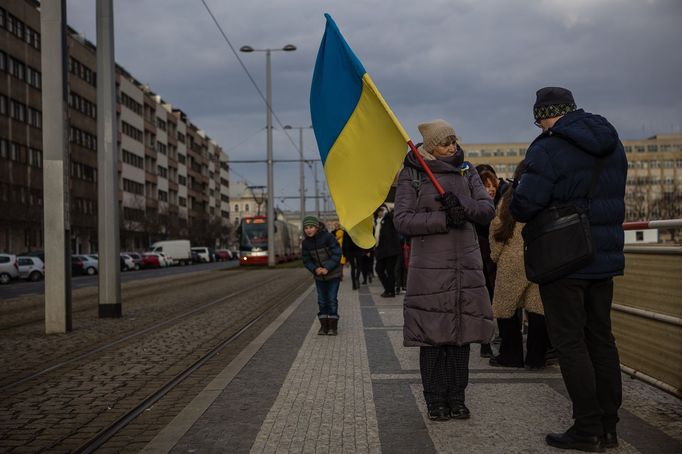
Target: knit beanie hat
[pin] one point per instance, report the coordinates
(310, 221)
(553, 102)
(435, 133)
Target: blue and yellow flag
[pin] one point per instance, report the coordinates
(362, 145)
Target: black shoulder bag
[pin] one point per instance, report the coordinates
(558, 241)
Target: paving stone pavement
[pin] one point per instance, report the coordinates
(361, 392)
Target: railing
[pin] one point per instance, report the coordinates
(647, 310)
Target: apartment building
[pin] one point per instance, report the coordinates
(173, 178)
(654, 183)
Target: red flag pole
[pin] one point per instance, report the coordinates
(430, 174)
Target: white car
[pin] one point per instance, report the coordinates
(203, 253)
(9, 269)
(168, 260)
(90, 265)
(128, 263)
(31, 268)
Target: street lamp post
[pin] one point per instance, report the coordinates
(302, 178)
(268, 109)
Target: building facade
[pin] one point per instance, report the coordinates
(654, 183)
(173, 178)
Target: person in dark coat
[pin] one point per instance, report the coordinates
(560, 165)
(322, 257)
(447, 306)
(387, 250)
(353, 254)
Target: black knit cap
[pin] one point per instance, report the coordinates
(553, 102)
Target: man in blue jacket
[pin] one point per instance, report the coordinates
(560, 164)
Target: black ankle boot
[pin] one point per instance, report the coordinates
(459, 411)
(333, 325)
(324, 327)
(438, 412)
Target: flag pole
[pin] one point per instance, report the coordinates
(426, 168)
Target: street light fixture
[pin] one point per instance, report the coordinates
(300, 151)
(268, 109)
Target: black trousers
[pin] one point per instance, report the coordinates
(578, 314)
(355, 267)
(511, 346)
(445, 373)
(386, 271)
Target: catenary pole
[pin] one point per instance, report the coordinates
(107, 166)
(57, 224)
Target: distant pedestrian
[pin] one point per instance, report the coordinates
(446, 304)
(560, 165)
(322, 257)
(353, 254)
(387, 250)
(491, 183)
(513, 292)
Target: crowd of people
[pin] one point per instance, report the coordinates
(458, 253)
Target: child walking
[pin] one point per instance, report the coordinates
(322, 257)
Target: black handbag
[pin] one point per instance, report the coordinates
(558, 241)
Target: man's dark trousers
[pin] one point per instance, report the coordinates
(578, 314)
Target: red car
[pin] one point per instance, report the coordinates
(223, 255)
(150, 261)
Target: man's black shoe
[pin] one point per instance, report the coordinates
(568, 440)
(388, 295)
(439, 412)
(459, 411)
(610, 440)
(496, 362)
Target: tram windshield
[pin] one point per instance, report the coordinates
(254, 236)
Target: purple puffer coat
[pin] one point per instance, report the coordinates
(446, 302)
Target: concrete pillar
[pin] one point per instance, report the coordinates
(107, 166)
(55, 168)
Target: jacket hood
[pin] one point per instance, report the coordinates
(589, 132)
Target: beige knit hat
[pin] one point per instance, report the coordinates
(435, 133)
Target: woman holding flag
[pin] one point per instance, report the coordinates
(447, 306)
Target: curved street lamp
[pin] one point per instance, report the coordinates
(268, 109)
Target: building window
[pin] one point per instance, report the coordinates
(246, 207)
(133, 159)
(182, 201)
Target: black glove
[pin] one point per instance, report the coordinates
(448, 200)
(455, 216)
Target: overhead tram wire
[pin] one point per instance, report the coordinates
(236, 54)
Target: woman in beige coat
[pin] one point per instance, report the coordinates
(514, 292)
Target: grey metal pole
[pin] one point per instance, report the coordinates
(302, 182)
(107, 166)
(317, 191)
(271, 191)
(56, 168)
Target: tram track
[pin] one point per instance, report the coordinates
(99, 439)
(126, 338)
(135, 290)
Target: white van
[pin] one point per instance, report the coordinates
(178, 251)
(203, 254)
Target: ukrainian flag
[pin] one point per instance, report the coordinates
(362, 145)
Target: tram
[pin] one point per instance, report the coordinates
(253, 241)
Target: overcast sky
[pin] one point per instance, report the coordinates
(475, 63)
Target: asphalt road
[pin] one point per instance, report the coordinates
(20, 287)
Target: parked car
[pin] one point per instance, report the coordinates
(31, 268)
(195, 257)
(167, 259)
(90, 266)
(127, 263)
(9, 269)
(178, 250)
(203, 253)
(77, 265)
(222, 255)
(151, 260)
(137, 259)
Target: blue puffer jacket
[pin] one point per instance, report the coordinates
(560, 163)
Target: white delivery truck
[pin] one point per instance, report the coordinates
(179, 251)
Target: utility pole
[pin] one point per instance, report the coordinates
(107, 167)
(55, 168)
